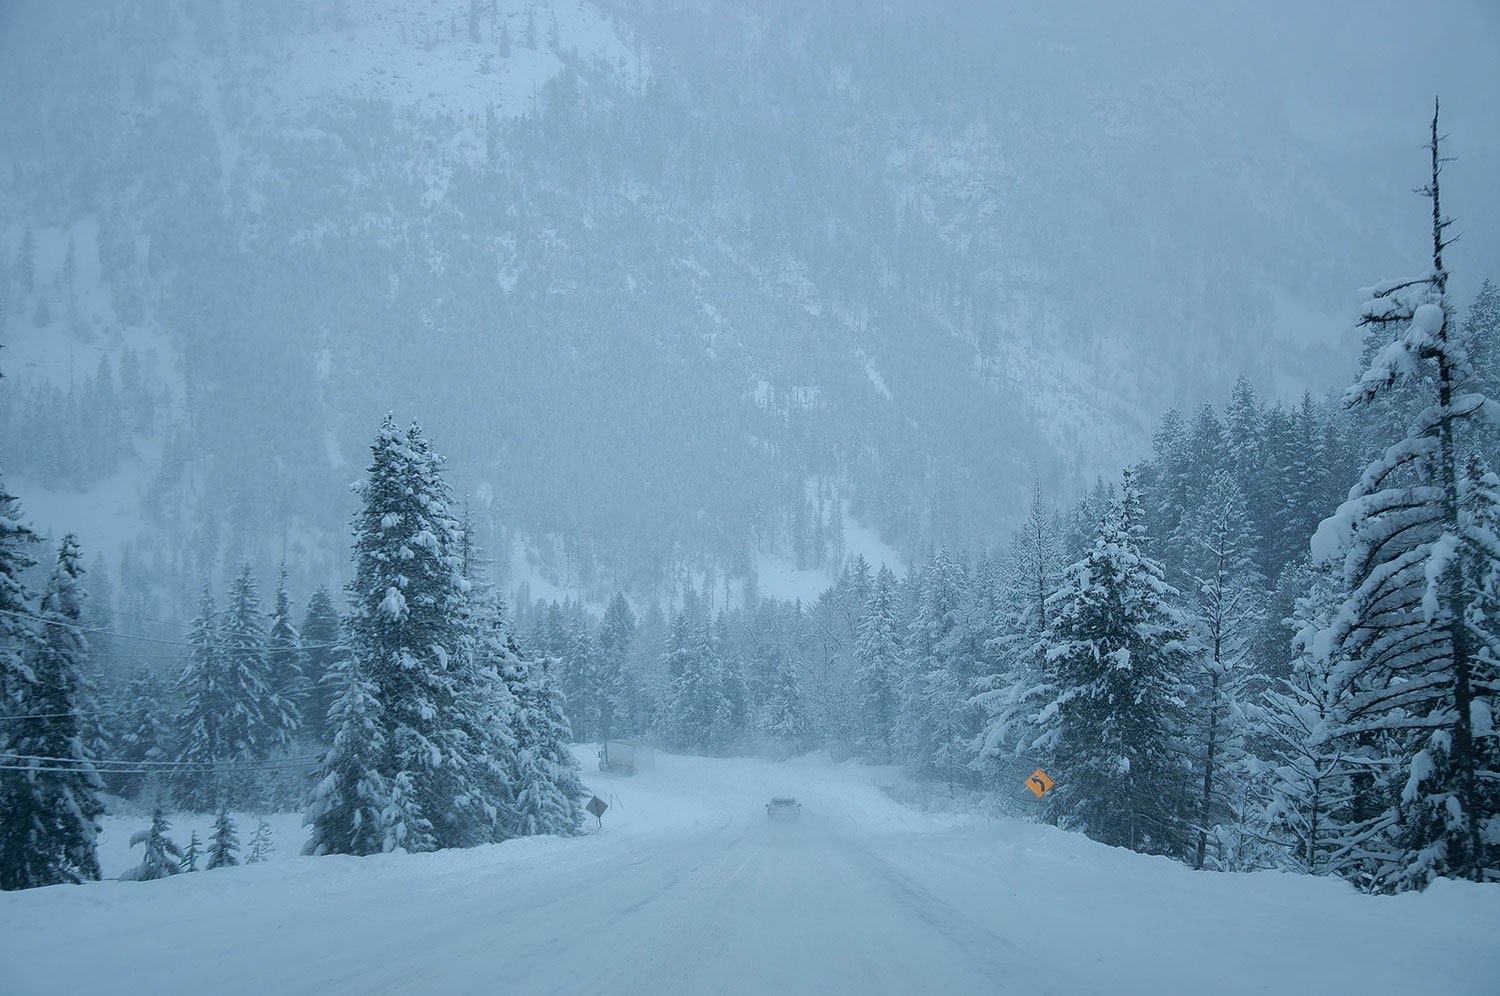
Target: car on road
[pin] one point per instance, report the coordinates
(783, 808)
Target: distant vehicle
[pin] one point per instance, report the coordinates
(783, 808)
(619, 756)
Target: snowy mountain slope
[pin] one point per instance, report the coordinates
(688, 889)
(644, 269)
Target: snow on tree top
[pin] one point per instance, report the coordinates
(1429, 319)
(394, 604)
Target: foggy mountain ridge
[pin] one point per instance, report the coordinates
(670, 288)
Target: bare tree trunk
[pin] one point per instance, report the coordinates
(1208, 764)
(1464, 758)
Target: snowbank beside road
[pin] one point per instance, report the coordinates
(687, 888)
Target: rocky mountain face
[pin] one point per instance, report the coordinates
(676, 287)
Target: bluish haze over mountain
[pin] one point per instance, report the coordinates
(683, 286)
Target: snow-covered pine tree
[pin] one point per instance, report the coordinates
(1119, 652)
(1482, 329)
(547, 792)
(1163, 481)
(410, 631)
(549, 632)
(970, 657)
(17, 681)
(1227, 598)
(830, 665)
(702, 711)
(935, 718)
(678, 665)
(210, 732)
(284, 675)
(320, 637)
(1012, 695)
(879, 676)
(781, 719)
(1207, 452)
(1245, 438)
(1314, 783)
(49, 809)
(584, 694)
(145, 733)
(489, 699)
(347, 810)
(1303, 487)
(271, 718)
(161, 857)
(261, 844)
(1409, 650)
(407, 827)
(727, 681)
(622, 713)
(1092, 508)
(224, 845)
(191, 853)
(99, 688)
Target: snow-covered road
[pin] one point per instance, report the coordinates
(688, 889)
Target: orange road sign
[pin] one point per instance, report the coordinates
(1039, 783)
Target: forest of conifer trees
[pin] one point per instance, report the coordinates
(1274, 643)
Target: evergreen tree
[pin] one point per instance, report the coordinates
(284, 675)
(211, 732)
(491, 701)
(879, 676)
(1118, 651)
(1093, 508)
(621, 715)
(702, 704)
(1302, 486)
(1227, 600)
(224, 845)
(731, 697)
(935, 718)
(1407, 639)
(1482, 333)
(347, 811)
(17, 638)
(320, 637)
(146, 733)
(411, 637)
(261, 844)
(99, 688)
(407, 828)
(545, 780)
(678, 665)
(191, 853)
(253, 692)
(782, 719)
(49, 809)
(1017, 687)
(161, 857)
(1244, 438)
(1314, 810)
(404, 599)
(584, 693)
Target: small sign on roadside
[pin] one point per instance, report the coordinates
(1039, 783)
(596, 807)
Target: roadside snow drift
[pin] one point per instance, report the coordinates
(687, 888)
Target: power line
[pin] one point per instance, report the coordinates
(168, 643)
(280, 762)
(124, 770)
(56, 715)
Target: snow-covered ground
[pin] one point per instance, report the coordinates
(688, 889)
